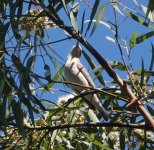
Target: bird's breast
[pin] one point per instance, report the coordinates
(74, 75)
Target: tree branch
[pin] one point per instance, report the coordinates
(51, 13)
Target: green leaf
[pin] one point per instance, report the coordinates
(94, 9)
(99, 16)
(82, 24)
(3, 104)
(95, 142)
(20, 8)
(149, 73)
(2, 82)
(18, 114)
(142, 74)
(64, 5)
(115, 6)
(150, 109)
(144, 37)
(97, 72)
(132, 41)
(139, 20)
(47, 72)
(17, 63)
(73, 15)
(122, 141)
(29, 64)
(55, 78)
(117, 65)
(150, 8)
(60, 5)
(138, 71)
(152, 62)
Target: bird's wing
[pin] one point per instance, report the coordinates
(83, 70)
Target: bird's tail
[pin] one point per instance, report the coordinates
(98, 105)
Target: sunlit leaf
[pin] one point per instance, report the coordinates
(117, 65)
(144, 37)
(139, 20)
(132, 41)
(150, 9)
(110, 39)
(103, 23)
(94, 141)
(115, 6)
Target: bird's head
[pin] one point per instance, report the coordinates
(76, 51)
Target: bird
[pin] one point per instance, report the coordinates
(75, 72)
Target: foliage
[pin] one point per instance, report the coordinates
(33, 116)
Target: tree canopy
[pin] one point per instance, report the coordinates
(38, 110)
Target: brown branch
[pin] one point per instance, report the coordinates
(88, 124)
(51, 13)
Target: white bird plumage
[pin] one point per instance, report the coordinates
(75, 72)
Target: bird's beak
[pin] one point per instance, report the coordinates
(77, 44)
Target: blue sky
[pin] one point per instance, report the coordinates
(106, 48)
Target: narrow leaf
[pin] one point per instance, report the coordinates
(115, 6)
(144, 37)
(150, 109)
(99, 16)
(18, 114)
(132, 41)
(47, 72)
(122, 140)
(95, 142)
(94, 9)
(139, 20)
(93, 66)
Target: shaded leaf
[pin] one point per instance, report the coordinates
(150, 109)
(149, 73)
(82, 24)
(73, 16)
(29, 64)
(122, 141)
(99, 16)
(55, 78)
(94, 9)
(47, 72)
(18, 114)
(3, 105)
(142, 74)
(17, 63)
(93, 67)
